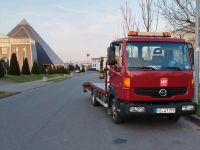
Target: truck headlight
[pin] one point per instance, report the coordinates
(137, 109)
(187, 108)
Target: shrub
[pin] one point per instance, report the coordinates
(14, 65)
(35, 69)
(54, 69)
(83, 69)
(42, 69)
(2, 71)
(71, 67)
(66, 71)
(77, 67)
(50, 70)
(62, 69)
(25, 67)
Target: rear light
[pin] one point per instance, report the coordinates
(126, 82)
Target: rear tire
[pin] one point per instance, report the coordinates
(94, 101)
(116, 118)
(173, 118)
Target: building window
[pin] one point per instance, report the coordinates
(4, 50)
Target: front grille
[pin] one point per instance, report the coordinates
(154, 92)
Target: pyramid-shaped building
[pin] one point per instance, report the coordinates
(40, 51)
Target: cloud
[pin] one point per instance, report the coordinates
(86, 11)
(78, 11)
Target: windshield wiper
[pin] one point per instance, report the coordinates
(142, 68)
(171, 68)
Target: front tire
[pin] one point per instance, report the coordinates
(116, 117)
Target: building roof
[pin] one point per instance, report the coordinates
(45, 55)
(3, 36)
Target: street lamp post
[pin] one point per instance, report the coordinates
(196, 92)
(88, 55)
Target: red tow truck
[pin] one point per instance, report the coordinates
(149, 73)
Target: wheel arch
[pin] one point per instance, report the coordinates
(111, 94)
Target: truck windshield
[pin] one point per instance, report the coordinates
(157, 56)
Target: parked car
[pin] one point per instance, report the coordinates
(77, 71)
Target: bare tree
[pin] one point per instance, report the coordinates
(147, 13)
(157, 17)
(179, 13)
(129, 21)
(148, 16)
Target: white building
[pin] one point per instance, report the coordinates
(96, 63)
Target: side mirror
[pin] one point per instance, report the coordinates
(111, 56)
(191, 51)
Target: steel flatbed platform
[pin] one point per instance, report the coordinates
(98, 90)
(100, 87)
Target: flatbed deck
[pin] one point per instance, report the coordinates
(98, 91)
(100, 87)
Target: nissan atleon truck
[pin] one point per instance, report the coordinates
(148, 74)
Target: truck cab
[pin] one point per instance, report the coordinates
(150, 74)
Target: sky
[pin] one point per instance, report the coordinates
(72, 28)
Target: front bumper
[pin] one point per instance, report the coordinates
(124, 108)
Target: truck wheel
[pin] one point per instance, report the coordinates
(84, 90)
(173, 118)
(115, 114)
(94, 101)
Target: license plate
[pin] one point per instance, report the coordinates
(165, 110)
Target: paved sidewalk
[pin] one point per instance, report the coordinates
(5, 83)
(21, 87)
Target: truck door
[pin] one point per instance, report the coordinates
(115, 72)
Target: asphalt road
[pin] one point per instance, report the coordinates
(60, 117)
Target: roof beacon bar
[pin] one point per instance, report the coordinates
(149, 34)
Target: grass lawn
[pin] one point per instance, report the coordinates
(27, 78)
(4, 93)
(198, 108)
(198, 111)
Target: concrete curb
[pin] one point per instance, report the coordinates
(44, 85)
(45, 79)
(14, 93)
(194, 118)
(8, 95)
(65, 78)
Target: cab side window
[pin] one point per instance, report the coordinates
(118, 54)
